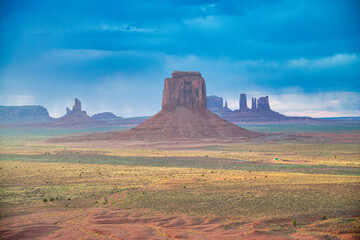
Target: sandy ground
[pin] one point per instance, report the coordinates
(108, 223)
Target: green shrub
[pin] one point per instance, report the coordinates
(45, 200)
(323, 217)
(52, 199)
(294, 223)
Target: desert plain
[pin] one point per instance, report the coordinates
(298, 181)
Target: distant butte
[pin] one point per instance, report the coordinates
(260, 111)
(105, 116)
(75, 116)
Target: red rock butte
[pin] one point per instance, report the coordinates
(184, 114)
(184, 89)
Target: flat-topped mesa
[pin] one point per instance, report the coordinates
(263, 104)
(185, 89)
(214, 102)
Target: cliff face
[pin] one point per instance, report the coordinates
(24, 114)
(185, 89)
(263, 104)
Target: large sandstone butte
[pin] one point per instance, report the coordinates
(184, 114)
(185, 89)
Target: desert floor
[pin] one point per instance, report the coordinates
(182, 190)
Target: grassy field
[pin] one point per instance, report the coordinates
(311, 183)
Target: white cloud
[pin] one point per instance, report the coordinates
(335, 60)
(76, 54)
(17, 100)
(121, 27)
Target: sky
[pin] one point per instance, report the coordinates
(115, 55)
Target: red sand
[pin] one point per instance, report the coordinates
(109, 223)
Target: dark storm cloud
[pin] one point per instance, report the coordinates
(264, 46)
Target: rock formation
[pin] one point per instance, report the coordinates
(214, 102)
(184, 89)
(75, 117)
(253, 103)
(243, 102)
(184, 114)
(263, 104)
(215, 105)
(105, 116)
(260, 112)
(77, 105)
(29, 114)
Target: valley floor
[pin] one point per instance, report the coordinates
(303, 187)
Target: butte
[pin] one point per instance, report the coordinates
(183, 116)
(74, 117)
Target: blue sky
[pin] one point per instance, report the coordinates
(115, 55)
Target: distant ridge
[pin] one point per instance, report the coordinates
(105, 116)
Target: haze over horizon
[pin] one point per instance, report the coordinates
(304, 55)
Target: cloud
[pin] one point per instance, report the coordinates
(62, 49)
(298, 103)
(326, 62)
(17, 100)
